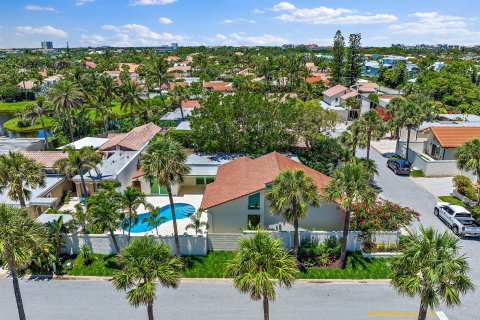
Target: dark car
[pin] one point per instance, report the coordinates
(391, 155)
(399, 166)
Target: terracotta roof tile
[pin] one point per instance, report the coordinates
(133, 140)
(245, 176)
(336, 90)
(191, 104)
(46, 158)
(453, 137)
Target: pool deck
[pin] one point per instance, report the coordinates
(190, 195)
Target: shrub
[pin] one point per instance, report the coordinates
(475, 213)
(86, 254)
(312, 254)
(417, 173)
(184, 137)
(462, 184)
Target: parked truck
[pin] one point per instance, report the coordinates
(458, 218)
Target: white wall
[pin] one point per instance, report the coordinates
(103, 244)
(126, 175)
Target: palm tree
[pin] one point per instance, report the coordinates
(371, 127)
(259, 266)
(177, 95)
(20, 237)
(349, 186)
(349, 139)
(130, 98)
(154, 219)
(431, 267)
(145, 263)
(56, 229)
(132, 197)
(77, 162)
(164, 162)
(66, 96)
(197, 222)
(468, 158)
(105, 211)
(158, 70)
(392, 110)
(17, 173)
(291, 194)
(107, 92)
(410, 116)
(38, 110)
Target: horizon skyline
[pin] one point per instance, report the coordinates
(97, 23)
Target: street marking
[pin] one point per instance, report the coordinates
(430, 314)
(441, 315)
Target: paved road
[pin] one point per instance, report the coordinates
(404, 191)
(79, 300)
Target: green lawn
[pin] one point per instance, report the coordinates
(14, 106)
(452, 200)
(417, 173)
(213, 266)
(12, 125)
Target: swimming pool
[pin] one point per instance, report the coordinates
(182, 210)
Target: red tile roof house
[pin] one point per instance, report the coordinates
(238, 196)
(191, 104)
(135, 140)
(333, 95)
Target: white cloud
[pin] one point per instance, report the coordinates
(164, 20)
(32, 7)
(240, 38)
(139, 35)
(80, 3)
(326, 15)
(92, 39)
(283, 6)
(256, 10)
(151, 2)
(44, 30)
(432, 23)
(237, 20)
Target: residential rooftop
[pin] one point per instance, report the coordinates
(453, 137)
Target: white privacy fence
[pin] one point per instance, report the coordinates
(200, 245)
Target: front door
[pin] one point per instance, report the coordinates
(137, 184)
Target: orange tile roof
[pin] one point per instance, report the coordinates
(313, 79)
(453, 137)
(336, 90)
(245, 176)
(191, 104)
(46, 158)
(132, 67)
(133, 140)
(349, 95)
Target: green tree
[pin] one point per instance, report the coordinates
(338, 56)
(131, 198)
(165, 163)
(17, 174)
(349, 186)
(432, 268)
(291, 194)
(259, 266)
(106, 93)
(354, 59)
(410, 116)
(144, 264)
(130, 98)
(157, 69)
(77, 162)
(20, 237)
(105, 210)
(371, 126)
(350, 138)
(468, 158)
(154, 220)
(177, 95)
(66, 96)
(196, 222)
(38, 110)
(56, 229)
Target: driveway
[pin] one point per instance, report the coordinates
(402, 190)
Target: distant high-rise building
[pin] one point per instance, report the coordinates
(174, 46)
(47, 45)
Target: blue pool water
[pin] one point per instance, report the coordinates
(182, 210)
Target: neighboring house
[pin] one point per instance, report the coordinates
(392, 60)
(50, 81)
(225, 87)
(370, 68)
(333, 95)
(28, 85)
(443, 141)
(90, 65)
(237, 197)
(437, 66)
(135, 140)
(186, 71)
(176, 115)
(86, 142)
(336, 97)
(190, 104)
(132, 68)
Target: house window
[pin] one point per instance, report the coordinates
(201, 181)
(156, 189)
(209, 180)
(254, 201)
(253, 221)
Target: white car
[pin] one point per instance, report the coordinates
(458, 218)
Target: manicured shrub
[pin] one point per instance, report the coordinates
(183, 136)
(312, 254)
(462, 183)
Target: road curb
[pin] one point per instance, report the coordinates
(199, 280)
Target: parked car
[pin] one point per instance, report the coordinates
(391, 155)
(458, 218)
(399, 166)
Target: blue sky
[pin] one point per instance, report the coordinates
(235, 22)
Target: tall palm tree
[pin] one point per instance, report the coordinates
(145, 263)
(259, 266)
(410, 116)
(154, 220)
(56, 229)
(132, 197)
(17, 173)
(157, 69)
(468, 158)
(350, 138)
(177, 95)
(431, 267)
(105, 211)
(291, 194)
(392, 110)
(196, 222)
(165, 163)
(371, 127)
(66, 96)
(77, 162)
(130, 98)
(107, 92)
(20, 237)
(38, 110)
(349, 186)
